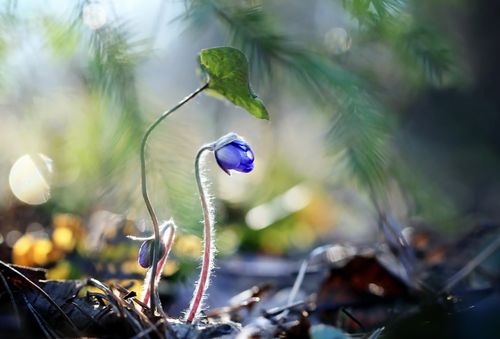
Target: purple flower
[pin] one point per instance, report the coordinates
(146, 253)
(233, 153)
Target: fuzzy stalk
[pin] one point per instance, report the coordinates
(144, 187)
(168, 239)
(208, 242)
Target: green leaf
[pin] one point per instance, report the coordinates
(226, 69)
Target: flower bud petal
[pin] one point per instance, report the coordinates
(233, 153)
(146, 253)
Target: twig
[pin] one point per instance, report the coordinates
(141, 315)
(86, 314)
(471, 265)
(103, 312)
(375, 334)
(148, 330)
(110, 296)
(274, 311)
(353, 318)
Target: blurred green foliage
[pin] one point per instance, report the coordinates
(351, 65)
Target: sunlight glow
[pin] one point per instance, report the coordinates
(337, 41)
(278, 208)
(29, 178)
(94, 15)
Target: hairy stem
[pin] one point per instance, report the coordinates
(208, 246)
(167, 242)
(154, 219)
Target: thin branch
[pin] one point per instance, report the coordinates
(471, 265)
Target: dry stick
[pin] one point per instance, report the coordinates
(119, 303)
(148, 330)
(140, 303)
(277, 310)
(125, 306)
(298, 281)
(471, 265)
(103, 312)
(12, 300)
(353, 318)
(208, 250)
(46, 296)
(82, 311)
(130, 308)
(154, 219)
(110, 296)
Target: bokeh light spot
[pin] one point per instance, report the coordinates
(171, 267)
(29, 178)
(64, 239)
(337, 41)
(94, 15)
(41, 251)
(188, 246)
(22, 250)
(12, 237)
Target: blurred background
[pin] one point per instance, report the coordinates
(378, 108)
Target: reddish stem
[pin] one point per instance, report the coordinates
(206, 266)
(159, 267)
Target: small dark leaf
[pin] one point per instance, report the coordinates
(226, 69)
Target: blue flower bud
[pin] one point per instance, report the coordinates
(233, 153)
(146, 253)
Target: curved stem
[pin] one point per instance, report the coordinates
(167, 242)
(208, 246)
(154, 219)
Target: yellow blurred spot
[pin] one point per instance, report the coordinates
(171, 266)
(111, 268)
(130, 284)
(70, 222)
(41, 251)
(130, 227)
(64, 239)
(131, 266)
(227, 241)
(29, 178)
(22, 250)
(274, 242)
(84, 290)
(302, 236)
(60, 271)
(188, 246)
